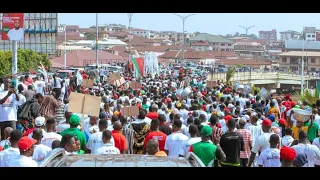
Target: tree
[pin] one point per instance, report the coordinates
(27, 60)
(230, 74)
(90, 36)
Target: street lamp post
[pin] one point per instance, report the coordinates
(65, 46)
(97, 36)
(302, 68)
(130, 15)
(246, 29)
(183, 18)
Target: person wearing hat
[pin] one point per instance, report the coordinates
(73, 130)
(39, 123)
(26, 147)
(205, 150)
(232, 143)
(247, 139)
(262, 142)
(287, 156)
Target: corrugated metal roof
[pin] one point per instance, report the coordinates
(298, 44)
(210, 38)
(300, 53)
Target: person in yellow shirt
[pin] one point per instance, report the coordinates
(296, 129)
(153, 148)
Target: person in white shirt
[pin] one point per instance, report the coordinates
(63, 125)
(312, 151)
(9, 102)
(108, 147)
(12, 151)
(55, 82)
(16, 33)
(26, 147)
(39, 123)
(316, 142)
(287, 139)
(40, 151)
(68, 143)
(50, 135)
(262, 142)
(270, 157)
(193, 130)
(91, 125)
(184, 114)
(95, 141)
(40, 86)
(4, 144)
(175, 142)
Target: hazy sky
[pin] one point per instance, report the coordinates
(213, 23)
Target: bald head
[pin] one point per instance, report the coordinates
(7, 132)
(152, 147)
(303, 136)
(37, 134)
(117, 125)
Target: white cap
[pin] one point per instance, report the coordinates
(39, 121)
(230, 106)
(246, 117)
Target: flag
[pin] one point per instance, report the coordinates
(138, 64)
(42, 70)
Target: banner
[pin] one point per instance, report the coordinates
(13, 26)
(138, 64)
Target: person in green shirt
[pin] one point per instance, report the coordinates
(74, 131)
(313, 128)
(205, 150)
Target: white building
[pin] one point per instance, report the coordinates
(141, 33)
(289, 35)
(310, 33)
(106, 43)
(201, 46)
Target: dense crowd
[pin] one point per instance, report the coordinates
(221, 125)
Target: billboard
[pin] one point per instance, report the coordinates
(13, 26)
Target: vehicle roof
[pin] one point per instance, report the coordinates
(119, 160)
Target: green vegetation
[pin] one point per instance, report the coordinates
(308, 96)
(27, 60)
(230, 74)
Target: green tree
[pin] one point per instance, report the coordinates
(230, 74)
(90, 36)
(27, 60)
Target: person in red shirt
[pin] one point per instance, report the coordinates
(155, 134)
(120, 141)
(154, 112)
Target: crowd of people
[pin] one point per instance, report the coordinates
(221, 125)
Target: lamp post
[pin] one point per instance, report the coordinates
(246, 29)
(97, 36)
(65, 46)
(183, 18)
(130, 15)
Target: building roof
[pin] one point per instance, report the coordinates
(70, 48)
(210, 38)
(289, 31)
(247, 43)
(68, 27)
(137, 29)
(70, 36)
(200, 43)
(192, 54)
(301, 53)
(261, 41)
(80, 58)
(298, 44)
(248, 62)
(103, 42)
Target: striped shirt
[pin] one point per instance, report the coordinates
(216, 132)
(129, 134)
(247, 138)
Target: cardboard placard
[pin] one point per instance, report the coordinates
(130, 111)
(114, 77)
(84, 104)
(135, 85)
(120, 81)
(87, 83)
(211, 84)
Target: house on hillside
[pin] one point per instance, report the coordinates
(201, 46)
(249, 49)
(217, 42)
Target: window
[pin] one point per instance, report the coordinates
(313, 36)
(222, 44)
(308, 35)
(284, 60)
(313, 69)
(313, 60)
(294, 60)
(229, 44)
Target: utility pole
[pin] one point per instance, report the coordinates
(302, 67)
(65, 46)
(97, 36)
(183, 18)
(246, 29)
(130, 15)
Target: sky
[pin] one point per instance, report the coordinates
(213, 23)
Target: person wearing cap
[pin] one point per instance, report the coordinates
(232, 143)
(73, 130)
(270, 157)
(287, 156)
(300, 160)
(262, 142)
(303, 147)
(247, 139)
(11, 151)
(207, 151)
(39, 123)
(26, 147)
